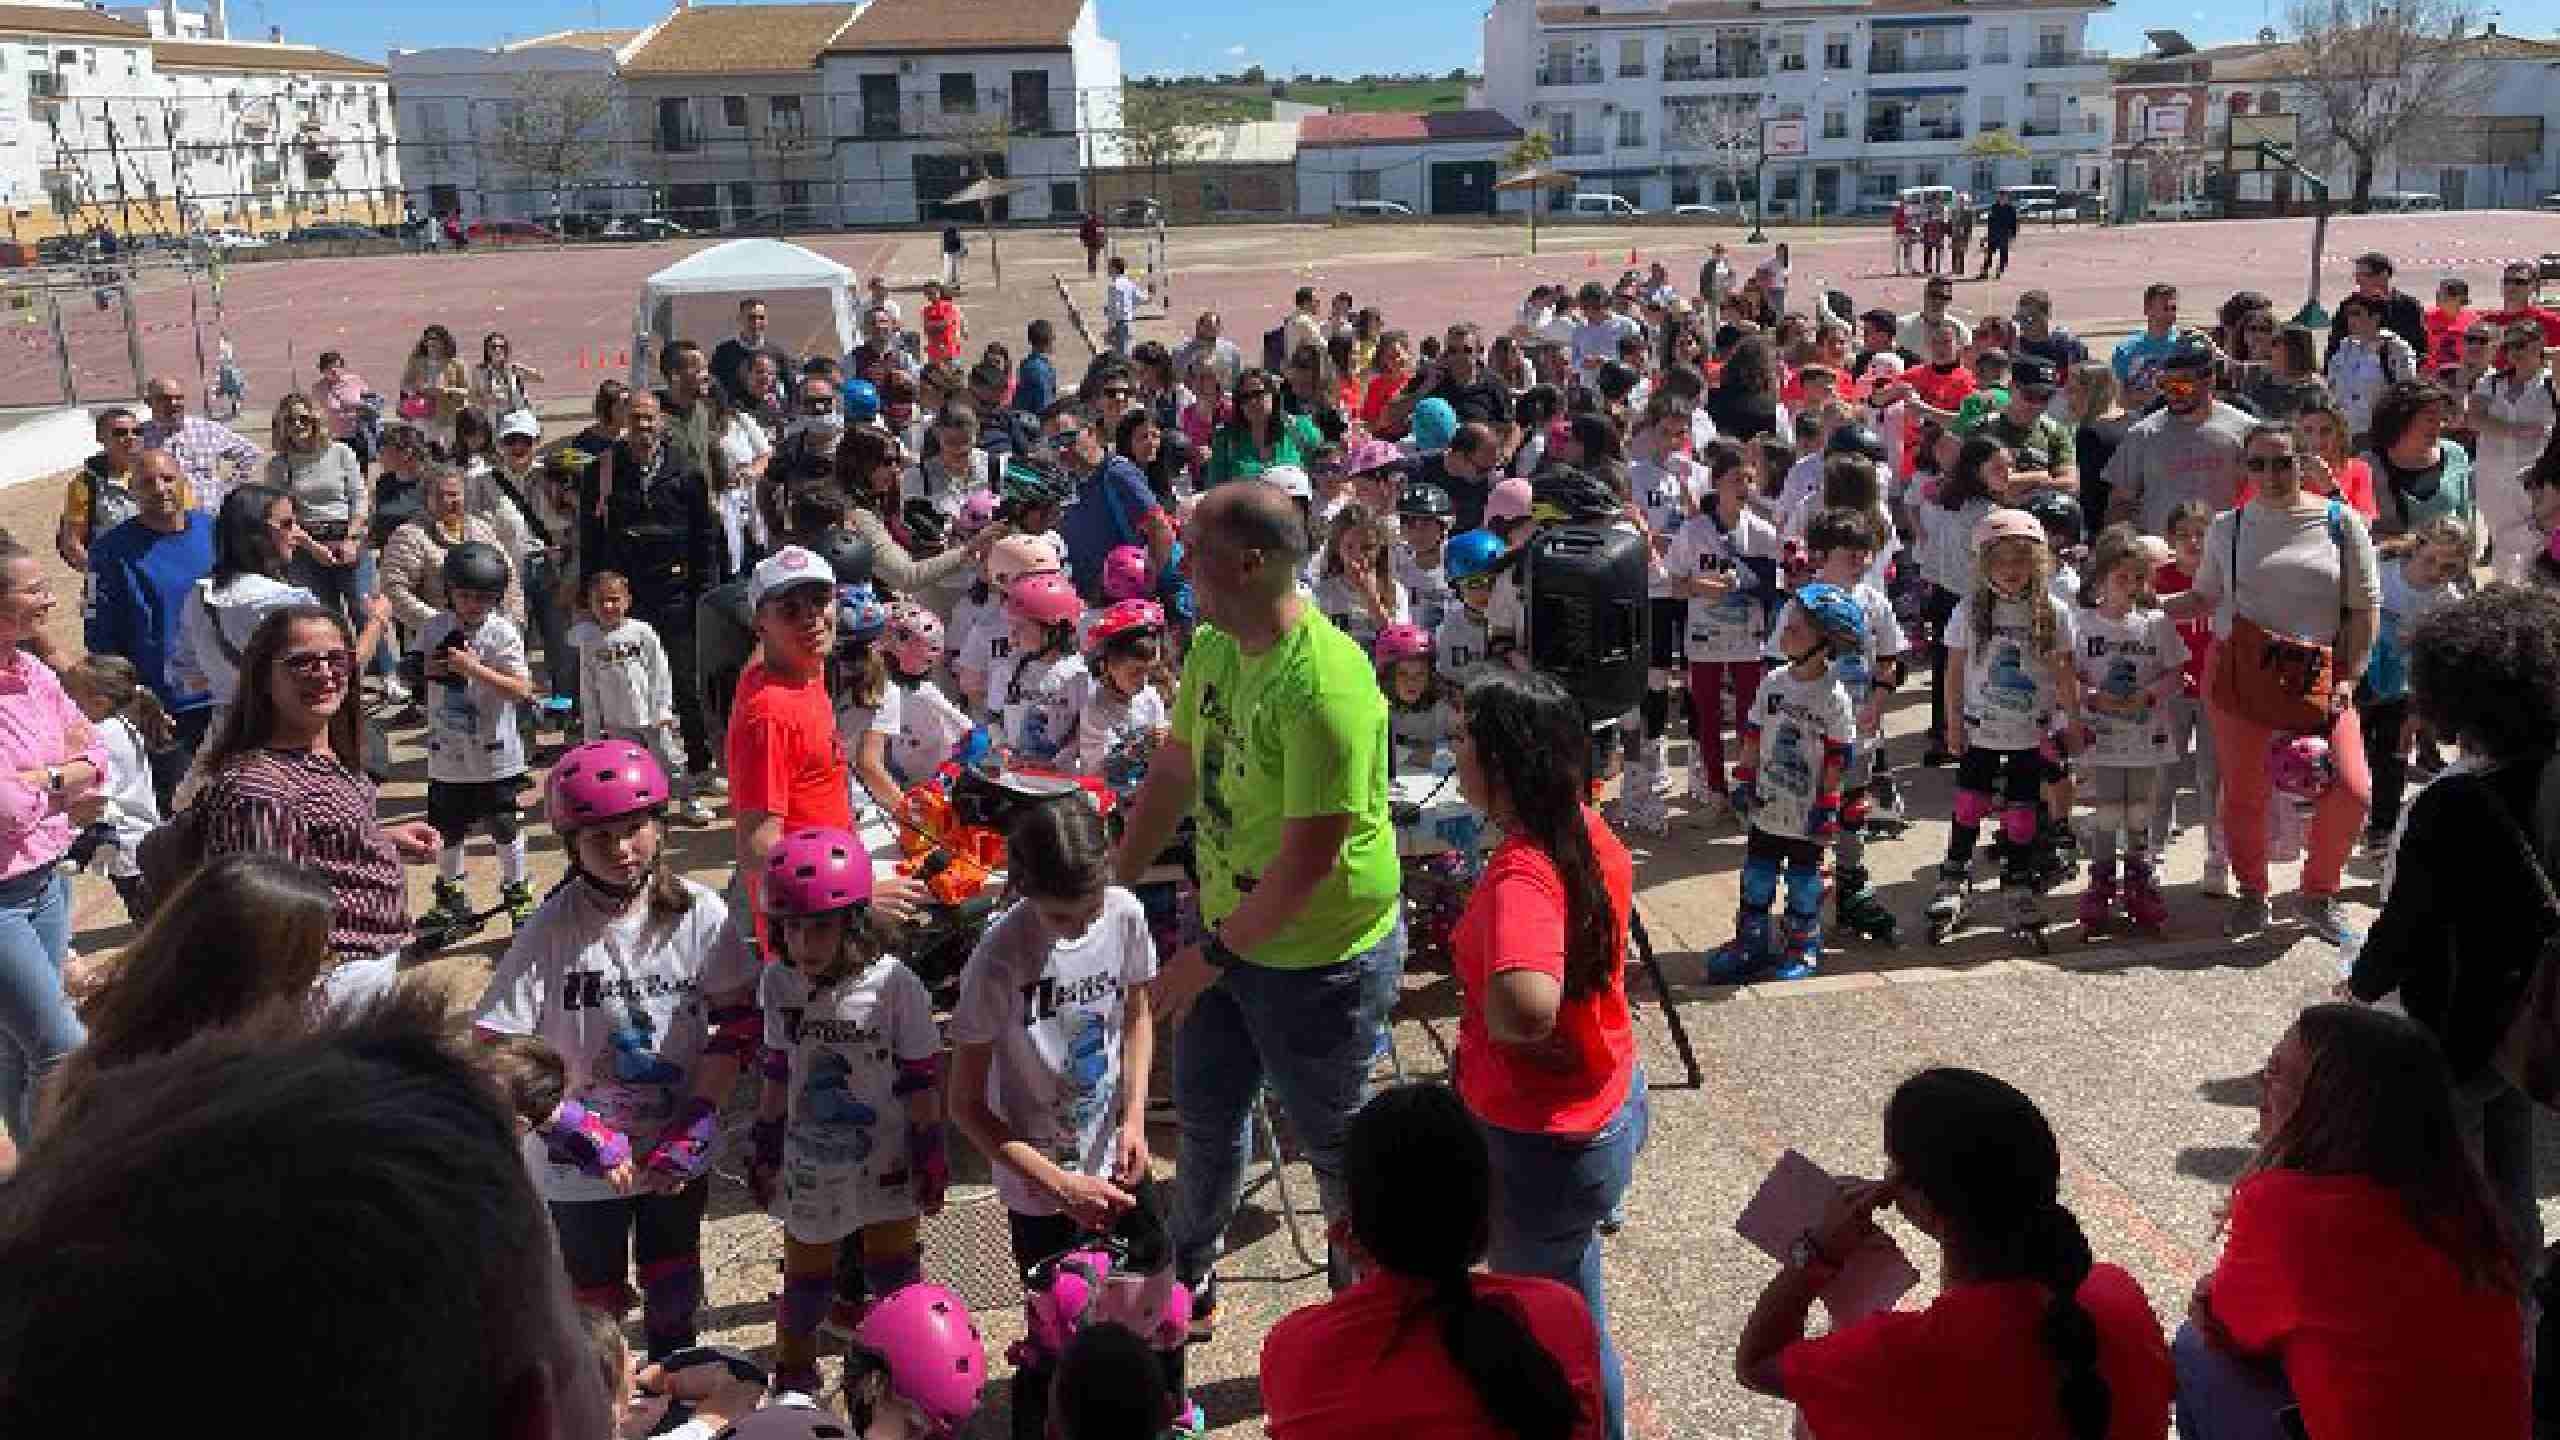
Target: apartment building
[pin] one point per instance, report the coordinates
(458, 105)
(1663, 101)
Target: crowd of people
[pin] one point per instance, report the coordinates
(2226, 576)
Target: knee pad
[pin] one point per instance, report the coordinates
(1759, 882)
(803, 1307)
(1973, 806)
(670, 1294)
(2018, 824)
(1804, 894)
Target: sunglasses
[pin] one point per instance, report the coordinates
(1473, 582)
(312, 664)
(124, 432)
(1066, 437)
(1121, 392)
(1244, 395)
(2181, 382)
(2264, 464)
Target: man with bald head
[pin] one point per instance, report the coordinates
(1279, 749)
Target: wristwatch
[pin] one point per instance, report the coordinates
(1218, 953)
(53, 778)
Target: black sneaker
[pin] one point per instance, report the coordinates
(1939, 759)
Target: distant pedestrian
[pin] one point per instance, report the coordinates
(1119, 308)
(954, 250)
(1090, 232)
(1933, 241)
(1999, 228)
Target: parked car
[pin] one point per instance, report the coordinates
(508, 232)
(1599, 206)
(1373, 208)
(2196, 207)
(2397, 202)
(1145, 210)
(332, 230)
(2549, 202)
(227, 238)
(62, 249)
(1700, 212)
(643, 227)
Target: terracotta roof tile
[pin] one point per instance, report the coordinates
(1690, 12)
(65, 20)
(1411, 128)
(740, 40)
(217, 55)
(579, 40)
(947, 26)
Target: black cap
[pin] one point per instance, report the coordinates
(2028, 370)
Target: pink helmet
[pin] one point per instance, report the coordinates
(602, 780)
(787, 1422)
(2300, 765)
(1401, 642)
(1127, 574)
(1126, 617)
(1509, 501)
(977, 512)
(816, 871)
(937, 1361)
(1998, 525)
(1367, 455)
(1068, 1293)
(1045, 598)
(915, 637)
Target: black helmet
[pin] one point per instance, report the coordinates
(2059, 514)
(1424, 501)
(847, 555)
(928, 530)
(2192, 352)
(1033, 482)
(475, 565)
(1567, 494)
(1855, 439)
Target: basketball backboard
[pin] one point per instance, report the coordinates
(1783, 140)
(2247, 131)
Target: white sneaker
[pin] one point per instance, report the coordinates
(695, 812)
(2217, 877)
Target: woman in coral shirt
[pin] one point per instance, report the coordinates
(1546, 1055)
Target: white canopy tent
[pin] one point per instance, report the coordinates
(808, 300)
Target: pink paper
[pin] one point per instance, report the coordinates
(1790, 1202)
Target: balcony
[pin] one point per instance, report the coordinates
(880, 125)
(1580, 145)
(1030, 120)
(1913, 134)
(45, 85)
(1739, 66)
(2065, 59)
(672, 140)
(1569, 75)
(1884, 63)
(2045, 129)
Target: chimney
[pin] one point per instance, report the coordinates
(169, 22)
(275, 34)
(217, 20)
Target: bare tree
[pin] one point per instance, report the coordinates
(556, 132)
(983, 136)
(1728, 133)
(2377, 75)
(1161, 127)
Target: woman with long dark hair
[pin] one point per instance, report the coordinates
(2366, 1274)
(1744, 402)
(255, 534)
(1422, 1345)
(434, 385)
(1259, 434)
(2028, 1335)
(1546, 1053)
(871, 469)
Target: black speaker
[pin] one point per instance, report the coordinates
(1583, 587)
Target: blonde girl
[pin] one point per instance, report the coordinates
(133, 728)
(1357, 589)
(2132, 665)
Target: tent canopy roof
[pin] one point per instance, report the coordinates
(740, 265)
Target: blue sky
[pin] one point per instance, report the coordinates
(1156, 36)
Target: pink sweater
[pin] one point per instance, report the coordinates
(39, 727)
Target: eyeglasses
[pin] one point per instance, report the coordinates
(1066, 437)
(312, 664)
(1121, 392)
(2478, 339)
(124, 432)
(2264, 464)
(1244, 395)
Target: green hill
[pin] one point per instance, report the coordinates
(1253, 102)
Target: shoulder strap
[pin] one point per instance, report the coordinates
(2547, 797)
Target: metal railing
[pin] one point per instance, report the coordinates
(1569, 75)
(1912, 134)
(1889, 64)
(1715, 67)
(1580, 145)
(2061, 59)
(2040, 128)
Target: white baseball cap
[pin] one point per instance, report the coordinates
(785, 569)
(519, 422)
(1292, 480)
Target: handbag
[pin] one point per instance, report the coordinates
(2268, 677)
(416, 406)
(2528, 1050)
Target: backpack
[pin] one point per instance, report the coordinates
(2528, 1052)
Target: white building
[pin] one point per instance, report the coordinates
(1442, 162)
(1648, 98)
(455, 102)
(927, 91)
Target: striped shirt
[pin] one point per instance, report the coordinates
(201, 446)
(307, 807)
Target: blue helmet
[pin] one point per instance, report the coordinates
(1471, 553)
(859, 614)
(1835, 613)
(861, 402)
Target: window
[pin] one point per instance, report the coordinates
(1364, 184)
(879, 105)
(1930, 174)
(1031, 102)
(1630, 129)
(1791, 50)
(2041, 173)
(733, 111)
(1835, 52)
(1995, 45)
(675, 131)
(1995, 112)
(782, 112)
(1835, 123)
(959, 93)
(1791, 110)
(2049, 43)
(795, 197)
(742, 199)
(1784, 187)
(1630, 58)
(1986, 177)
(1063, 199)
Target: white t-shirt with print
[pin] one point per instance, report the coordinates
(1109, 720)
(1728, 628)
(1052, 1010)
(844, 1150)
(1669, 493)
(1419, 732)
(2009, 699)
(968, 617)
(1342, 605)
(1426, 588)
(2121, 660)
(624, 999)
(1037, 702)
(929, 727)
(472, 734)
(623, 679)
(1799, 720)
(1460, 642)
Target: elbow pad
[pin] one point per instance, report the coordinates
(916, 1076)
(578, 1136)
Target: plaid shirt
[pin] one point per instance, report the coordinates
(204, 447)
(309, 808)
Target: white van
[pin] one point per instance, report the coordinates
(2033, 200)
(1593, 206)
(2399, 202)
(1918, 200)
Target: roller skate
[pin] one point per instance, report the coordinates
(2098, 904)
(1743, 958)
(2022, 907)
(1639, 806)
(1948, 905)
(1799, 950)
(1886, 817)
(452, 909)
(520, 902)
(2142, 902)
(1855, 906)
(2056, 857)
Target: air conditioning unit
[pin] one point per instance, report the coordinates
(907, 67)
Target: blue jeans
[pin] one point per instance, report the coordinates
(542, 613)
(2223, 1397)
(345, 589)
(1550, 1193)
(1310, 1035)
(37, 1026)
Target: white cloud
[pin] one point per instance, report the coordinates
(1237, 51)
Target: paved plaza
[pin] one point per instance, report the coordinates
(2140, 1051)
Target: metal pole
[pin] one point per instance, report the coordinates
(1759, 201)
(61, 348)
